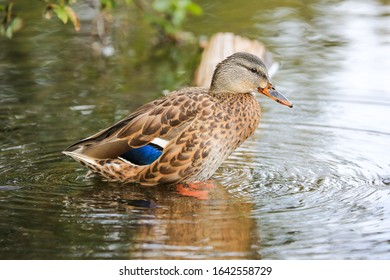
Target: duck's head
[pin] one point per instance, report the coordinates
(245, 73)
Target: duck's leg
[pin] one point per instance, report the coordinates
(199, 190)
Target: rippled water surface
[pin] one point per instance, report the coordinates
(312, 183)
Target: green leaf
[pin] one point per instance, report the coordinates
(16, 24)
(194, 9)
(73, 17)
(61, 13)
(8, 32)
(107, 4)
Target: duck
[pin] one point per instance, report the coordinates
(184, 136)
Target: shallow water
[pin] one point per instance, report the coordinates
(312, 183)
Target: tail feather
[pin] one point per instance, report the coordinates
(83, 159)
(112, 169)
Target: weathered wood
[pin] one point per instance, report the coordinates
(220, 46)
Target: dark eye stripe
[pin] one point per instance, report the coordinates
(253, 70)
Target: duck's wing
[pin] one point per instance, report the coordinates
(151, 126)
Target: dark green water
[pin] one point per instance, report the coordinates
(313, 182)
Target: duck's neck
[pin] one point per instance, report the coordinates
(239, 102)
(225, 97)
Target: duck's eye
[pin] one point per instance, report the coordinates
(253, 70)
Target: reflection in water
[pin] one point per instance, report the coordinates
(220, 227)
(151, 223)
(312, 183)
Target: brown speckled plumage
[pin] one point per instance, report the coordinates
(200, 128)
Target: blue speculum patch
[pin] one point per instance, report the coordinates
(144, 155)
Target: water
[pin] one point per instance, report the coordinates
(312, 183)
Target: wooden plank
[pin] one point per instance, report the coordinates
(220, 46)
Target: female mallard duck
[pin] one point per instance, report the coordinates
(185, 136)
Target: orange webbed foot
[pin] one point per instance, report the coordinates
(199, 190)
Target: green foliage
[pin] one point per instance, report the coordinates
(10, 23)
(109, 4)
(63, 11)
(167, 16)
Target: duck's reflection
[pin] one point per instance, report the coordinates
(166, 223)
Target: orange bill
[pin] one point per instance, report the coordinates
(272, 93)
